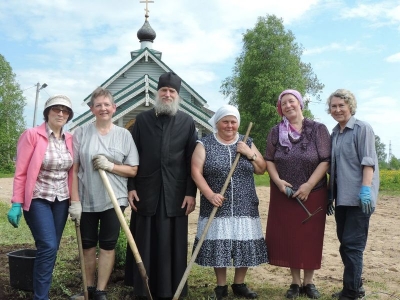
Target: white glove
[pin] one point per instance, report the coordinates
(101, 162)
(75, 211)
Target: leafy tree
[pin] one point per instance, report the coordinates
(394, 163)
(12, 123)
(380, 151)
(268, 64)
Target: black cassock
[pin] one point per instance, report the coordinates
(160, 227)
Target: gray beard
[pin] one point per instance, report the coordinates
(162, 108)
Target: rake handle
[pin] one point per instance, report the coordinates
(212, 215)
(81, 260)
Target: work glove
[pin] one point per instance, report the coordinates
(365, 199)
(289, 192)
(14, 214)
(75, 211)
(101, 162)
(330, 209)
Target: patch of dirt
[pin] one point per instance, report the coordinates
(6, 185)
(381, 257)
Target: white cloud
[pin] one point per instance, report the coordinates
(333, 47)
(393, 58)
(381, 13)
(74, 45)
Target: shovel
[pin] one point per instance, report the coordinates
(290, 192)
(128, 233)
(212, 215)
(81, 260)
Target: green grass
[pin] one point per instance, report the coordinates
(67, 279)
(262, 180)
(3, 175)
(11, 235)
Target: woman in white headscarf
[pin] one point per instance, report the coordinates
(235, 237)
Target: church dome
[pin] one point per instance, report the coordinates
(146, 33)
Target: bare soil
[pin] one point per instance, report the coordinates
(381, 257)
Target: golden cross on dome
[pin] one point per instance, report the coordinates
(147, 7)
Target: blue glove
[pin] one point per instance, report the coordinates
(14, 214)
(289, 192)
(330, 209)
(365, 199)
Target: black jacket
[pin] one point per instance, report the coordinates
(165, 145)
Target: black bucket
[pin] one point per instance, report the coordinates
(21, 268)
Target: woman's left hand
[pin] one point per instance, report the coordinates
(303, 191)
(244, 149)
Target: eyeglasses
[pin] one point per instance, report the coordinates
(65, 111)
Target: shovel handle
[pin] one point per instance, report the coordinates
(210, 219)
(128, 233)
(81, 260)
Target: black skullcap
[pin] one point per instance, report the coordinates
(169, 79)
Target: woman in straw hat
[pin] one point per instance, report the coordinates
(42, 187)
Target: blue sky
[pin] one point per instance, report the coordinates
(74, 46)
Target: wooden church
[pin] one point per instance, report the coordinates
(134, 87)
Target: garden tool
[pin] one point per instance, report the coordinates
(212, 215)
(290, 192)
(128, 233)
(81, 261)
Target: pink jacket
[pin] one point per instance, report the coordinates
(31, 148)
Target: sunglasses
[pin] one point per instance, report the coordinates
(65, 111)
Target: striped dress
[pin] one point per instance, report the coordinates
(235, 237)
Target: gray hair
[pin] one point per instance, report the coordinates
(167, 109)
(348, 98)
(100, 91)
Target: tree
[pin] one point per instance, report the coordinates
(12, 122)
(380, 151)
(394, 163)
(268, 64)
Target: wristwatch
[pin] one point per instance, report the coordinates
(254, 157)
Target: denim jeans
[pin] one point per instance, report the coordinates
(46, 220)
(352, 231)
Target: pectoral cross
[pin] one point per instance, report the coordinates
(147, 7)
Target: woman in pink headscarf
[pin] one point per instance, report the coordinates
(298, 156)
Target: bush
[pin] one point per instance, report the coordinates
(390, 180)
(120, 250)
(7, 166)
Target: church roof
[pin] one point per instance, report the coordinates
(134, 95)
(134, 86)
(146, 33)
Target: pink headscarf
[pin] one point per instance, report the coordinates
(294, 93)
(285, 129)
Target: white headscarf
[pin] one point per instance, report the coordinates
(223, 111)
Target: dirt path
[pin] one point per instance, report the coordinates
(381, 259)
(6, 189)
(382, 255)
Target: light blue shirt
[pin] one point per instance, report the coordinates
(116, 144)
(353, 149)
